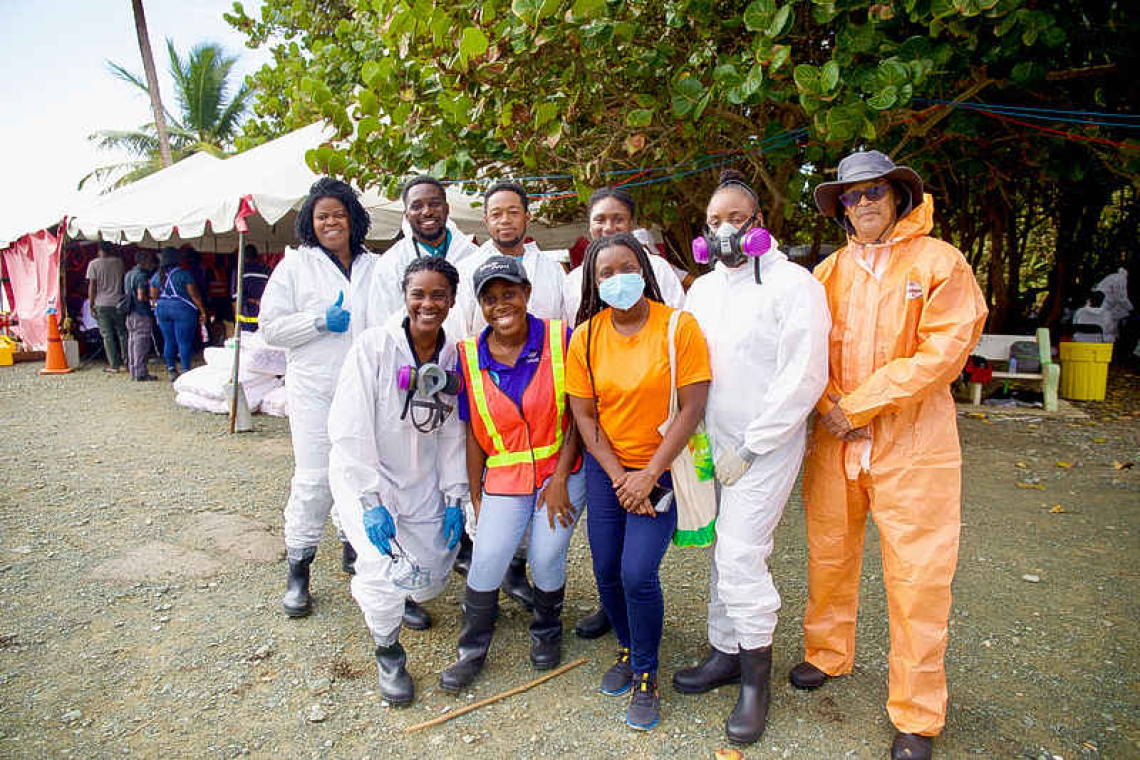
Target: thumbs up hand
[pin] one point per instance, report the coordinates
(336, 318)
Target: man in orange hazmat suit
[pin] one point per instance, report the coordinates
(906, 311)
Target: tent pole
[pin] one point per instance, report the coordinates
(62, 273)
(238, 325)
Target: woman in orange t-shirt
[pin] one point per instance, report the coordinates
(617, 382)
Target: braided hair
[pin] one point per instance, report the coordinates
(592, 303)
(358, 221)
(432, 264)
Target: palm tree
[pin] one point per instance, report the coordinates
(152, 82)
(209, 115)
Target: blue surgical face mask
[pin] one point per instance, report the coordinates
(622, 291)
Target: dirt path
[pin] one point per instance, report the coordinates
(140, 577)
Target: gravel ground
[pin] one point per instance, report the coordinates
(141, 572)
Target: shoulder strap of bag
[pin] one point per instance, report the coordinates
(672, 337)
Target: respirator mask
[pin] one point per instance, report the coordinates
(733, 246)
(424, 387)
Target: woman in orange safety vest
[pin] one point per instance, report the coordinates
(522, 448)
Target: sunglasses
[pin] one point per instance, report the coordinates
(875, 193)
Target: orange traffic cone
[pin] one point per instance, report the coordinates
(56, 362)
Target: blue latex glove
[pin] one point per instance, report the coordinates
(380, 527)
(336, 318)
(452, 525)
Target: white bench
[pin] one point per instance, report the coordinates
(995, 348)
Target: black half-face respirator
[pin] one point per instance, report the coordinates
(425, 386)
(733, 246)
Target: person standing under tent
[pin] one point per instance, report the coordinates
(618, 378)
(105, 290)
(522, 453)
(179, 310)
(396, 466)
(766, 323)
(253, 282)
(906, 311)
(315, 303)
(140, 317)
(506, 212)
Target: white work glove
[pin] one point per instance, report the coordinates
(731, 465)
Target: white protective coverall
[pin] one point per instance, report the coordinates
(1096, 317)
(387, 295)
(1116, 301)
(768, 353)
(301, 288)
(377, 458)
(671, 291)
(546, 279)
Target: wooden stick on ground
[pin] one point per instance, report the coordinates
(496, 698)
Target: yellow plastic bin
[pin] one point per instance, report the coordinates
(7, 350)
(1084, 370)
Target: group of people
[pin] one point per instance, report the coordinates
(173, 291)
(445, 390)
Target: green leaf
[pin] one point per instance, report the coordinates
(687, 94)
(645, 100)
(758, 15)
(843, 123)
(369, 106)
(780, 22)
(807, 78)
(885, 98)
(639, 118)
(754, 81)
(829, 76)
(583, 9)
(473, 43)
(369, 72)
(780, 55)
(545, 112)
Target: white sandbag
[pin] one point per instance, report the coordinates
(257, 387)
(206, 381)
(276, 402)
(259, 357)
(201, 403)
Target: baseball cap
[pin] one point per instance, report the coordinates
(499, 268)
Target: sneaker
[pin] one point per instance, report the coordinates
(618, 678)
(644, 705)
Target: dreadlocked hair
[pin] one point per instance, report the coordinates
(592, 303)
(432, 264)
(618, 194)
(358, 221)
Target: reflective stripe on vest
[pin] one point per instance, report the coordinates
(502, 457)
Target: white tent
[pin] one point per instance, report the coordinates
(197, 199)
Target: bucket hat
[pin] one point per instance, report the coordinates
(861, 167)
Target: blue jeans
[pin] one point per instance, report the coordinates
(502, 521)
(179, 325)
(627, 551)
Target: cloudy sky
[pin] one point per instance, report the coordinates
(56, 89)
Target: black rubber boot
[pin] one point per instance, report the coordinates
(718, 669)
(463, 558)
(807, 677)
(415, 616)
(746, 723)
(297, 602)
(347, 558)
(516, 585)
(912, 747)
(480, 608)
(546, 630)
(594, 625)
(395, 684)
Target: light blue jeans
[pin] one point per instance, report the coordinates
(502, 522)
